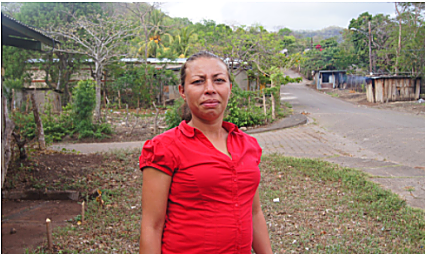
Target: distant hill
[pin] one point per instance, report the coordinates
(325, 33)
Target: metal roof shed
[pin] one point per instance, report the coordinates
(17, 34)
(329, 79)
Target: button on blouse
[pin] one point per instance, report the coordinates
(210, 200)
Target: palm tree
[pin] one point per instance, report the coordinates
(158, 36)
(182, 41)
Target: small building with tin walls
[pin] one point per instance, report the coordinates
(329, 79)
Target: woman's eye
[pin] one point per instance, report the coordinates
(197, 81)
(220, 80)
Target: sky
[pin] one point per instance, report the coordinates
(274, 15)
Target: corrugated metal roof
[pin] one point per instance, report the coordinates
(34, 29)
(390, 77)
(327, 71)
(125, 60)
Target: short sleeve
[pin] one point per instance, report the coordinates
(259, 152)
(156, 155)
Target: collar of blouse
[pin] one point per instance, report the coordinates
(189, 131)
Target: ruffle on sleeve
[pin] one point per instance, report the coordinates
(155, 155)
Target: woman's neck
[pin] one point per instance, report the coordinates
(211, 129)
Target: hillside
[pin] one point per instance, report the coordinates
(325, 33)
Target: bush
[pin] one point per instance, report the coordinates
(75, 118)
(173, 115)
(241, 109)
(84, 102)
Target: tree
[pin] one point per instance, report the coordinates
(58, 66)
(182, 42)
(410, 54)
(15, 66)
(152, 24)
(100, 39)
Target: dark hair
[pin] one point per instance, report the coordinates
(200, 54)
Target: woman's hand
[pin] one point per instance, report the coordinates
(155, 189)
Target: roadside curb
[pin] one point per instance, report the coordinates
(40, 195)
(287, 122)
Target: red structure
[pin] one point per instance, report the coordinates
(319, 47)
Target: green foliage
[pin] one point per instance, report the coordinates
(24, 124)
(74, 118)
(15, 69)
(138, 89)
(173, 115)
(242, 110)
(84, 102)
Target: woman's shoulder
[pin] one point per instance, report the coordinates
(166, 138)
(242, 135)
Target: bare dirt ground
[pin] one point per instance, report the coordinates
(23, 221)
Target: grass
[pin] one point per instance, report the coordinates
(328, 209)
(323, 208)
(333, 94)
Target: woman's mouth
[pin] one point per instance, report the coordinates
(210, 103)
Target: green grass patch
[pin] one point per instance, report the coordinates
(332, 94)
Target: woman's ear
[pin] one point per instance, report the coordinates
(181, 92)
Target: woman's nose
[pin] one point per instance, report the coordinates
(209, 87)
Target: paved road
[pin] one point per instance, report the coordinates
(386, 144)
(394, 136)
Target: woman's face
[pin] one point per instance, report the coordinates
(207, 88)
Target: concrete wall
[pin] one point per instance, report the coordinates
(41, 98)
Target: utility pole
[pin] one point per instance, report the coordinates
(370, 50)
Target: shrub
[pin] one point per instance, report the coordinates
(84, 102)
(241, 109)
(173, 115)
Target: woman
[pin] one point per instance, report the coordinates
(200, 179)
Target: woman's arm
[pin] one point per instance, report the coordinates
(261, 241)
(155, 189)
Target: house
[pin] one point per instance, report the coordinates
(329, 79)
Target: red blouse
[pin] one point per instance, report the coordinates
(210, 201)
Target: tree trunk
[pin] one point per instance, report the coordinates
(273, 103)
(28, 103)
(7, 127)
(399, 40)
(12, 102)
(98, 74)
(119, 99)
(37, 119)
(264, 103)
(104, 88)
(126, 116)
(155, 128)
(21, 145)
